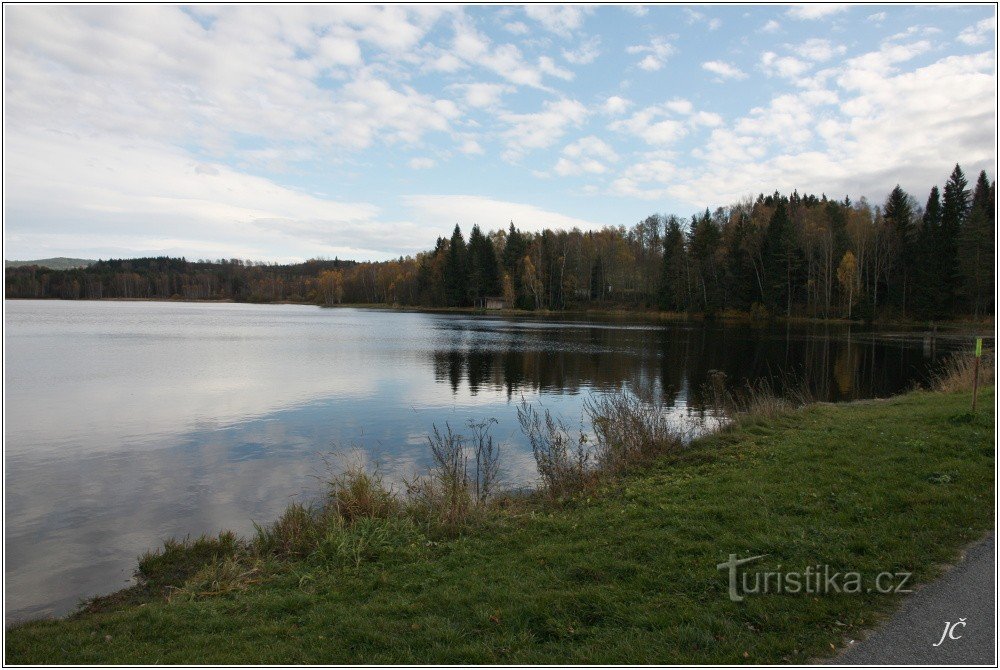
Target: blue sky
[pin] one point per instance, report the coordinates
(289, 132)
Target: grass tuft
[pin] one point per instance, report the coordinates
(956, 373)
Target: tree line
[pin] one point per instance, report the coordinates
(788, 255)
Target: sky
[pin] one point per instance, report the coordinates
(283, 133)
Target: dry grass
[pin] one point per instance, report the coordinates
(758, 400)
(630, 430)
(461, 483)
(357, 493)
(958, 370)
(564, 463)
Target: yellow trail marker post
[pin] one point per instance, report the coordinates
(975, 372)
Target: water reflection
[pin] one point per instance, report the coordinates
(836, 363)
(131, 422)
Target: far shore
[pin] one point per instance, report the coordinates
(965, 325)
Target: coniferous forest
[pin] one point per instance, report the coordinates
(773, 255)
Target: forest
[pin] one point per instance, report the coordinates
(773, 255)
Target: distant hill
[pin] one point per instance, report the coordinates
(59, 263)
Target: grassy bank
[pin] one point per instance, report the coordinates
(623, 574)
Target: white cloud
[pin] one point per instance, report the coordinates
(723, 70)
(707, 119)
(979, 33)
(770, 27)
(541, 129)
(505, 60)
(587, 155)
(141, 197)
(679, 105)
(616, 105)
(820, 50)
(471, 147)
(647, 179)
(863, 145)
(658, 51)
(877, 17)
(694, 16)
(650, 63)
(636, 10)
(786, 120)
(559, 19)
(517, 28)
(421, 163)
(863, 70)
(586, 53)
(483, 94)
(162, 75)
(815, 11)
(490, 213)
(659, 125)
(787, 67)
(650, 125)
(549, 67)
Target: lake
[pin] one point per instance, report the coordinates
(129, 422)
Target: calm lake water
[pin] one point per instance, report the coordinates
(129, 422)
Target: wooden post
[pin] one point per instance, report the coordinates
(975, 372)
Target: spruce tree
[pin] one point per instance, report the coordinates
(927, 289)
(898, 216)
(484, 270)
(513, 255)
(954, 210)
(671, 289)
(456, 270)
(782, 260)
(975, 252)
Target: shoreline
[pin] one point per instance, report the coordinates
(982, 327)
(680, 493)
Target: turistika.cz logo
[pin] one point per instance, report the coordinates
(816, 579)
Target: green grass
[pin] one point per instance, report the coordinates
(627, 575)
